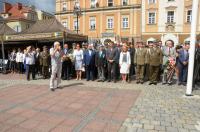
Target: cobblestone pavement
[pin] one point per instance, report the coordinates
(93, 106)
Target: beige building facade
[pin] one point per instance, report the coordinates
(118, 20)
(167, 19)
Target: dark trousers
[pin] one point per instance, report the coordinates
(38, 68)
(20, 67)
(112, 72)
(45, 71)
(182, 73)
(89, 72)
(66, 70)
(140, 73)
(13, 66)
(153, 73)
(146, 72)
(30, 69)
(132, 72)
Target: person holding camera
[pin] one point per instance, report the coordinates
(56, 65)
(30, 62)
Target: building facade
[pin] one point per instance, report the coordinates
(20, 17)
(167, 19)
(118, 20)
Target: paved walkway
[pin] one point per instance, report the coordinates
(95, 107)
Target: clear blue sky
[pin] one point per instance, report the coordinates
(46, 5)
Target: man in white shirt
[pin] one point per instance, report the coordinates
(30, 63)
(56, 66)
(19, 60)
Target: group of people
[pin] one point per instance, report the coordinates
(151, 62)
(30, 61)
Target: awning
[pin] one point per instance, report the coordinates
(50, 29)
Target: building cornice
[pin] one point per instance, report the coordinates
(135, 6)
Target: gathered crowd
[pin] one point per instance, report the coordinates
(151, 62)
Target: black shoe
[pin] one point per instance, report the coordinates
(108, 80)
(137, 82)
(164, 83)
(115, 81)
(184, 84)
(141, 82)
(150, 83)
(169, 84)
(179, 83)
(52, 89)
(155, 83)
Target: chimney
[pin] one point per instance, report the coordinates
(7, 7)
(19, 6)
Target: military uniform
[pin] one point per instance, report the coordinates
(45, 61)
(155, 60)
(140, 59)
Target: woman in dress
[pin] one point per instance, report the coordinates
(78, 58)
(124, 62)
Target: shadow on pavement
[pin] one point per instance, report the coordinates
(70, 85)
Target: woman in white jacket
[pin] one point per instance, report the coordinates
(124, 62)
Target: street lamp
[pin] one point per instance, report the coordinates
(77, 12)
(2, 49)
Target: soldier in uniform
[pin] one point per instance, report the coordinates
(45, 61)
(155, 60)
(140, 59)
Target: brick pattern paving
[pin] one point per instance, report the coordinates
(33, 108)
(158, 108)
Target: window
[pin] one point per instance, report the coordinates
(64, 6)
(27, 26)
(110, 3)
(125, 22)
(65, 24)
(77, 5)
(189, 16)
(170, 17)
(152, 16)
(93, 3)
(152, 1)
(110, 23)
(17, 28)
(76, 27)
(32, 16)
(92, 23)
(124, 2)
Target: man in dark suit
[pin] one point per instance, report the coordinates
(131, 50)
(89, 62)
(183, 60)
(66, 62)
(112, 57)
(100, 61)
